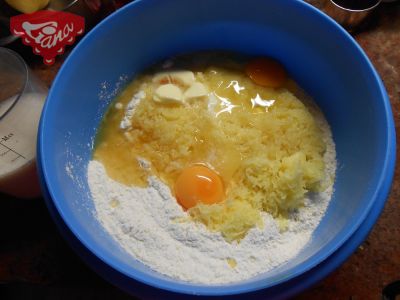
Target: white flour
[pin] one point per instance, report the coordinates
(145, 222)
(130, 109)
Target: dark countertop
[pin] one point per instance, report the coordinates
(35, 262)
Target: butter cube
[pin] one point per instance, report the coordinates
(196, 90)
(185, 78)
(168, 93)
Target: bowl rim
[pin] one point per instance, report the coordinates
(380, 194)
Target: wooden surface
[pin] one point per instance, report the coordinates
(35, 262)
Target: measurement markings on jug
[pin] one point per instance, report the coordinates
(7, 138)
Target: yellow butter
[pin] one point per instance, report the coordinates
(28, 6)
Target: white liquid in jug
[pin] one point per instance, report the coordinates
(18, 133)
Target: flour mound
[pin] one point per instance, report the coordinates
(147, 223)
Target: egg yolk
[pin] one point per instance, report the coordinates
(198, 184)
(266, 72)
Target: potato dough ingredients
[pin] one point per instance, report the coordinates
(262, 141)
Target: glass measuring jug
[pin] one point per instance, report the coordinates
(21, 101)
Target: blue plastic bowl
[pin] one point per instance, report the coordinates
(318, 54)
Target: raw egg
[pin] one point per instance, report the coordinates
(198, 184)
(266, 72)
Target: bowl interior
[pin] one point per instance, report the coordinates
(320, 56)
